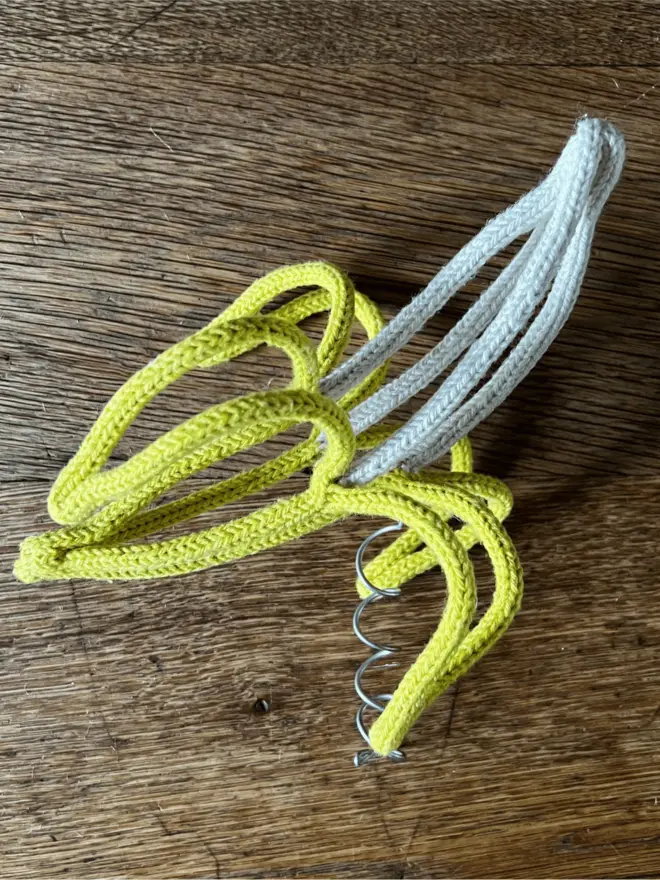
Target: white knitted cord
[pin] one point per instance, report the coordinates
(561, 213)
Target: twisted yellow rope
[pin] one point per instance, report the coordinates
(105, 512)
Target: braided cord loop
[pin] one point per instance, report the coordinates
(106, 511)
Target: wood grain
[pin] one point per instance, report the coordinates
(136, 202)
(337, 32)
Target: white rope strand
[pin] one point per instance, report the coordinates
(540, 335)
(561, 213)
(457, 340)
(517, 220)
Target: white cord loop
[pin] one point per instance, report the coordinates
(561, 214)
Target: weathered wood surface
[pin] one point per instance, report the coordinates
(137, 202)
(337, 32)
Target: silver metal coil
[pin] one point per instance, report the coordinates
(380, 652)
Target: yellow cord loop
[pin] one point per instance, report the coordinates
(105, 511)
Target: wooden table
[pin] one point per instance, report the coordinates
(155, 159)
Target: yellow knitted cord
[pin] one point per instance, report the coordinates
(105, 510)
(461, 496)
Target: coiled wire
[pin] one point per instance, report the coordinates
(380, 652)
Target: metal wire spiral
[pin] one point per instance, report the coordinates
(380, 652)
